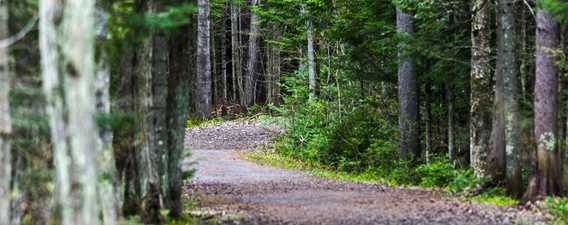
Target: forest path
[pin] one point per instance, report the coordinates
(239, 191)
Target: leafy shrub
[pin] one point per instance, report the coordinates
(464, 180)
(439, 173)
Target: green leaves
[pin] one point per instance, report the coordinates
(558, 7)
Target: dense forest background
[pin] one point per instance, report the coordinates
(95, 96)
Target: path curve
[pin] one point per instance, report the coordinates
(243, 192)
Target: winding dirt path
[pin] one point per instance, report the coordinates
(242, 192)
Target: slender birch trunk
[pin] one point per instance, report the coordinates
(5, 120)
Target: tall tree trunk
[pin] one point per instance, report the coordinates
(311, 58)
(546, 179)
(497, 154)
(273, 68)
(407, 93)
(124, 136)
(108, 183)
(512, 95)
(50, 12)
(223, 41)
(235, 50)
(452, 154)
(5, 120)
(252, 56)
(564, 119)
(177, 109)
(149, 74)
(428, 103)
(203, 88)
(72, 112)
(481, 94)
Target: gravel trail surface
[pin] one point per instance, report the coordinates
(241, 192)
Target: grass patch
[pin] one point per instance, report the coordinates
(272, 158)
(199, 122)
(497, 196)
(499, 199)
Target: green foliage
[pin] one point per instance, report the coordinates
(439, 173)
(559, 7)
(558, 207)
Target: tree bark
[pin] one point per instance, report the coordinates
(512, 112)
(177, 110)
(273, 69)
(108, 184)
(203, 89)
(407, 93)
(428, 131)
(223, 41)
(497, 153)
(546, 179)
(311, 58)
(481, 94)
(252, 56)
(72, 112)
(235, 50)
(5, 120)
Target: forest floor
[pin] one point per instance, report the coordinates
(231, 190)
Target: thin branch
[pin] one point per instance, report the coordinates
(5, 43)
(530, 8)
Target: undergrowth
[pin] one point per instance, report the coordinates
(361, 144)
(558, 207)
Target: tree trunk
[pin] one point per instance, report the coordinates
(481, 94)
(252, 56)
(407, 93)
(124, 136)
(546, 179)
(223, 41)
(177, 109)
(108, 183)
(5, 120)
(149, 74)
(428, 102)
(235, 50)
(450, 104)
(512, 95)
(497, 154)
(203, 84)
(273, 69)
(72, 112)
(311, 58)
